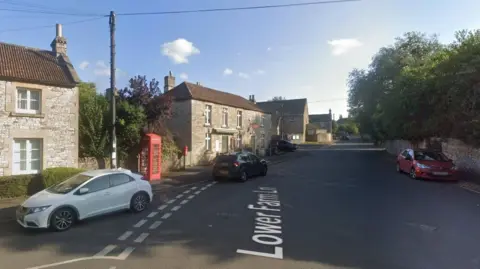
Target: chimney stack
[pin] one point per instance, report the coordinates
(59, 43)
(251, 98)
(169, 82)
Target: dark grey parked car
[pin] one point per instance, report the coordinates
(239, 165)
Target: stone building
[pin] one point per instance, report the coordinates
(38, 108)
(210, 122)
(289, 118)
(322, 121)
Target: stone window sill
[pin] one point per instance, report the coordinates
(207, 125)
(15, 114)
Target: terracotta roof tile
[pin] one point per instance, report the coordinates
(186, 90)
(18, 63)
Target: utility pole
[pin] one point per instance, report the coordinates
(113, 160)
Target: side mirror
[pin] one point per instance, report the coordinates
(83, 190)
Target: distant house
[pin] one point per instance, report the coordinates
(289, 118)
(210, 122)
(323, 121)
(320, 127)
(38, 108)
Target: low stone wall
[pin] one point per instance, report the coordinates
(91, 163)
(465, 157)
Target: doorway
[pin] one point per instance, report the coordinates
(224, 143)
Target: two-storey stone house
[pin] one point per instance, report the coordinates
(289, 117)
(38, 108)
(210, 122)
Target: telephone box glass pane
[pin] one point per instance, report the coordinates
(155, 159)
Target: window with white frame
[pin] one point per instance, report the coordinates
(239, 118)
(28, 101)
(262, 123)
(208, 115)
(27, 156)
(225, 117)
(239, 141)
(208, 141)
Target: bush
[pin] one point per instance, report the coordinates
(24, 185)
(55, 175)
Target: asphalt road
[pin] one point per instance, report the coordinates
(341, 206)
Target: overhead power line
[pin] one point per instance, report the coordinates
(329, 100)
(235, 8)
(51, 25)
(36, 11)
(30, 5)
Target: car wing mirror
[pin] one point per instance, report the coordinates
(83, 190)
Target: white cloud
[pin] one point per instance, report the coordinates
(342, 46)
(83, 65)
(179, 50)
(260, 72)
(244, 75)
(227, 72)
(184, 76)
(103, 70)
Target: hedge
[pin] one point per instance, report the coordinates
(24, 185)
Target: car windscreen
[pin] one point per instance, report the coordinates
(226, 158)
(430, 156)
(69, 184)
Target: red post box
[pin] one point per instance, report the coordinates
(151, 157)
(185, 150)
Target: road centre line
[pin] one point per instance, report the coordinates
(155, 225)
(140, 223)
(162, 207)
(141, 237)
(166, 215)
(125, 235)
(153, 214)
(175, 208)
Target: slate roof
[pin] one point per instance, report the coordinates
(19, 63)
(186, 91)
(292, 107)
(319, 118)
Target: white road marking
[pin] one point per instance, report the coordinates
(204, 188)
(191, 196)
(105, 251)
(197, 192)
(125, 253)
(155, 225)
(176, 208)
(193, 188)
(184, 201)
(162, 207)
(141, 237)
(166, 215)
(278, 254)
(140, 223)
(125, 235)
(179, 196)
(171, 201)
(187, 191)
(153, 214)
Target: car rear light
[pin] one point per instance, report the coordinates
(236, 164)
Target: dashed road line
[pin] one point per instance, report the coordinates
(193, 188)
(140, 223)
(166, 215)
(198, 192)
(125, 235)
(191, 197)
(105, 251)
(175, 208)
(155, 225)
(179, 196)
(184, 201)
(204, 188)
(153, 214)
(141, 237)
(125, 253)
(187, 191)
(171, 201)
(162, 207)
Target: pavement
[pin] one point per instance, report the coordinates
(339, 206)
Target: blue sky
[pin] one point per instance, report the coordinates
(292, 52)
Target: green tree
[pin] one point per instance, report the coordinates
(93, 127)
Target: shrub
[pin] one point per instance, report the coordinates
(24, 185)
(55, 175)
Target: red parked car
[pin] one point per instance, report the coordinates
(426, 164)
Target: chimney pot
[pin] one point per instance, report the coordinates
(59, 30)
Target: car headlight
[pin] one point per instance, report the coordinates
(37, 209)
(422, 166)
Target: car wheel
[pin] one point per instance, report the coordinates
(243, 176)
(62, 219)
(413, 175)
(265, 170)
(139, 202)
(398, 168)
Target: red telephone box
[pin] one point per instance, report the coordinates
(151, 157)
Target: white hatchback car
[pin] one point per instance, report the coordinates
(85, 195)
